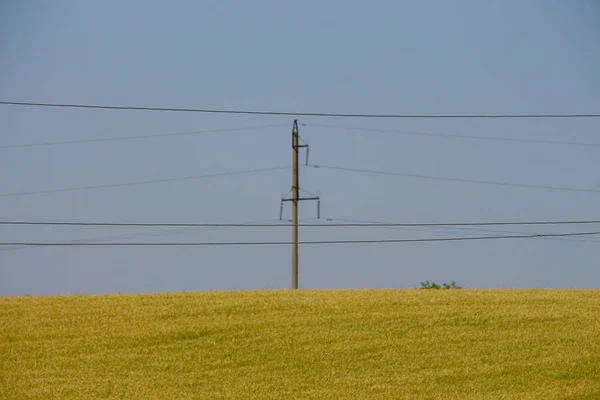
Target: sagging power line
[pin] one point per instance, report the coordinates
(136, 183)
(451, 229)
(304, 114)
(333, 225)
(365, 241)
(462, 180)
(456, 136)
(317, 166)
(137, 137)
(183, 230)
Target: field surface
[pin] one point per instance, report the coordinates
(308, 344)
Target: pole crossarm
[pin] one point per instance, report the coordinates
(302, 199)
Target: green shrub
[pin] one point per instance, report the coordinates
(433, 285)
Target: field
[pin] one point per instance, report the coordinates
(309, 344)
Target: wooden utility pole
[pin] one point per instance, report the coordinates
(295, 196)
(296, 146)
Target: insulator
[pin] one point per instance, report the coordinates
(318, 208)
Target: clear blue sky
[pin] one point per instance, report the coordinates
(334, 56)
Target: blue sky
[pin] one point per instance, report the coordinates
(422, 57)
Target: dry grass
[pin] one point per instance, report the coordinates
(413, 344)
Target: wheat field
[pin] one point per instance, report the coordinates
(307, 344)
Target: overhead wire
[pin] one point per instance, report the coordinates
(350, 224)
(450, 229)
(274, 222)
(150, 136)
(462, 180)
(286, 195)
(315, 242)
(456, 136)
(186, 230)
(315, 166)
(307, 192)
(291, 113)
(145, 182)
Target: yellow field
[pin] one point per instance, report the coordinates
(315, 344)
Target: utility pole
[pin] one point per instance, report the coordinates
(295, 196)
(296, 146)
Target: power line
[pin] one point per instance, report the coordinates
(158, 135)
(453, 229)
(113, 185)
(495, 138)
(149, 244)
(375, 172)
(196, 228)
(241, 225)
(187, 230)
(256, 127)
(289, 113)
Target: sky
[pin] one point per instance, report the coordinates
(399, 57)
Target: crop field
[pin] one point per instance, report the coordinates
(307, 344)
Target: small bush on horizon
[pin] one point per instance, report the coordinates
(433, 285)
